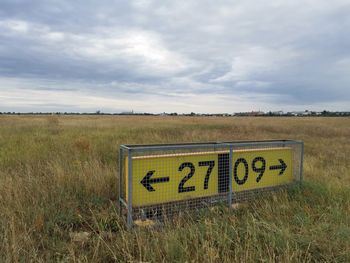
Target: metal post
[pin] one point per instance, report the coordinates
(120, 179)
(301, 162)
(230, 177)
(129, 219)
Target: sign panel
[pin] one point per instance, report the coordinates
(253, 169)
(158, 179)
(174, 177)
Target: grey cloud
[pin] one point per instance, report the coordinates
(282, 52)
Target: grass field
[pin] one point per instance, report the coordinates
(58, 177)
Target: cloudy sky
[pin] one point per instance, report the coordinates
(183, 56)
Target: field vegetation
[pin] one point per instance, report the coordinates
(59, 181)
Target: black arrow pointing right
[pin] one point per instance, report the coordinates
(147, 181)
(282, 167)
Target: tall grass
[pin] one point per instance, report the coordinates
(58, 176)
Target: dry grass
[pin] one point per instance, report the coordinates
(58, 177)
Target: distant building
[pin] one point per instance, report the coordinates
(280, 112)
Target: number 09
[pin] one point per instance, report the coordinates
(260, 169)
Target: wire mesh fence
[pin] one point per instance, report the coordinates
(159, 181)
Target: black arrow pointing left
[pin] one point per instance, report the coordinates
(147, 181)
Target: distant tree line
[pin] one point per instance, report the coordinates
(305, 113)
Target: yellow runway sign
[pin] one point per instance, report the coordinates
(165, 178)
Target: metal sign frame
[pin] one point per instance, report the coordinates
(129, 152)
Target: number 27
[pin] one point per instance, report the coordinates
(182, 188)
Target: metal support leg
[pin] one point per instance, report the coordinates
(120, 179)
(129, 219)
(301, 162)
